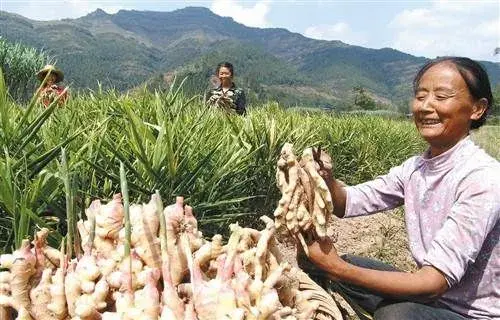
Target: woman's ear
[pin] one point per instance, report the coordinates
(479, 108)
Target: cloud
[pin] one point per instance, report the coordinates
(449, 28)
(339, 31)
(467, 6)
(419, 18)
(487, 29)
(254, 16)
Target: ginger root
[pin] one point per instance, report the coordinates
(175, 274)
(306, 201)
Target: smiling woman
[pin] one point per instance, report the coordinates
(451, 97)
(226, 96)
(451, 196)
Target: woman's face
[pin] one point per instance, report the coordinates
(443, 107)
(225, 76)
(51, 79)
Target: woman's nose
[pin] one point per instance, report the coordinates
(427, 104)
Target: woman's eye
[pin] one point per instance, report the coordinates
(441, 97)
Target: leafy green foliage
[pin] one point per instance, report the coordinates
(362, 100)
(28, 190)
(495, 108)
(488, 137)
(224, 165)
(19, 64)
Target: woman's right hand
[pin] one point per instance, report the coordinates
(325, 164)
(335, 186)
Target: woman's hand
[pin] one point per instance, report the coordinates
(323, 254)
(325, 164)
(336, 187)
(425, 285)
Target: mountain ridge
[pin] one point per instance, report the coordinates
(131, 47)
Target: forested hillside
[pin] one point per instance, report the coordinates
(129, 48)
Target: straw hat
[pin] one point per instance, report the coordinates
(53, 70)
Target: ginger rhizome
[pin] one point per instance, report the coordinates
(306, 205)
(172, 272)
(163, 267)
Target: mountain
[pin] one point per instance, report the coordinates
(130, 48)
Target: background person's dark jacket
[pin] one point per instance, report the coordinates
(231, 100)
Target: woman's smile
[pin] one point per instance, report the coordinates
(430, 122)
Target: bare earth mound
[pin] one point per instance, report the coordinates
(381, 236)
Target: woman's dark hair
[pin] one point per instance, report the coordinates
(475, 78)
(225, 65)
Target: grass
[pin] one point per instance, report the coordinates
(488, 137)
(19, 64)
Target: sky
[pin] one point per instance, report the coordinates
(421, 28)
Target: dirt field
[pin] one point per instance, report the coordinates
(380, 236)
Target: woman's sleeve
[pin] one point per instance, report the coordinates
(466, 230)
(383, 193)
(241, 103)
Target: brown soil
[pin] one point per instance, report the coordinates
(380, 236)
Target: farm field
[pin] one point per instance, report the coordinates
(488, 137)
(130, 198)
(223, 165)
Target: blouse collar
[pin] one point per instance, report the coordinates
(447, 159)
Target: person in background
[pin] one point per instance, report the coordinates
(226, 95)
(49, 91)
(451, 196)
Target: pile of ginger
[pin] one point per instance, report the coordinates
(165, 269)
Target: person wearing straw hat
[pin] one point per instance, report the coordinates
(49, 91)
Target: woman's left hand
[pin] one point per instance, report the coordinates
(323, 254)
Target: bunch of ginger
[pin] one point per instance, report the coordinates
(162, 269)
(306, 205)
